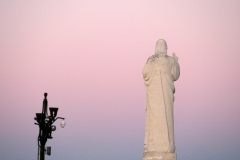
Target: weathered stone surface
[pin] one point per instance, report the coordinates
(159, 156)
(159, 75)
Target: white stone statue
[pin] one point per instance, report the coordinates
(159, 73)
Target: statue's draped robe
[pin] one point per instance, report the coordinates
(159, 75)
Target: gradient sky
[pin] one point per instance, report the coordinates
(89, 55)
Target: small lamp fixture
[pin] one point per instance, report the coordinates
(53, 128)
(53, 112)
(39, 117)
(63, 123)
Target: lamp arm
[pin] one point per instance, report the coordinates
(57, 118)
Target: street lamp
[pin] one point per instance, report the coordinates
(46, 127)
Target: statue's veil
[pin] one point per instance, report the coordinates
(161, 48)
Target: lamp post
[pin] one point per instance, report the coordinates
(45, 123)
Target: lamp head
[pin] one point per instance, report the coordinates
(39, 117)
(63, 123)
(53, 112)
(53, 128)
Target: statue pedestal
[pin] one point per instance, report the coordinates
(159, 156)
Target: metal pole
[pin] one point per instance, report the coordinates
(45, 127)
(42, 133)
(39, 149)
(42, 156)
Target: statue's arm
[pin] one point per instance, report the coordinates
(148, 68)
(175, 57)
(175, 68)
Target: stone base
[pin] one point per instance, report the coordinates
(159, 156)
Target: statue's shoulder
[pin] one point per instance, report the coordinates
(171, 59)
(150, 59)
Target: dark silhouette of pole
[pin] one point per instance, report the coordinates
(45, 122)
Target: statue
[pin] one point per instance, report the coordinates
(159, 73)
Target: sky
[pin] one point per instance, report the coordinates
(89, 55)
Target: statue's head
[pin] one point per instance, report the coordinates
(161, 48)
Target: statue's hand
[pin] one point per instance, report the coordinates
(175, 57)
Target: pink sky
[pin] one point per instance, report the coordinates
(89, 55)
